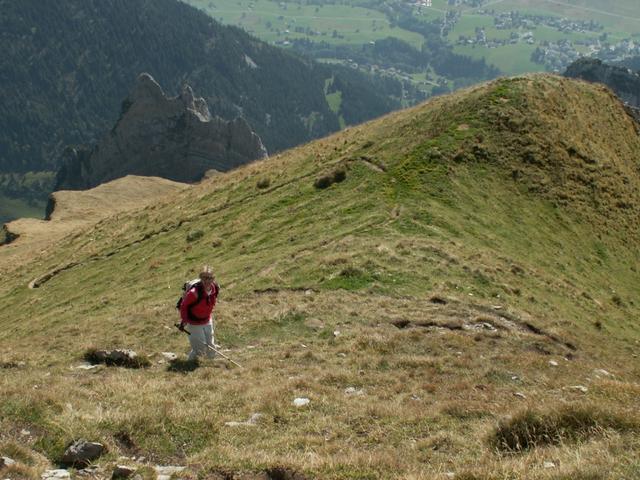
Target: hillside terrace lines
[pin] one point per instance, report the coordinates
(344, 156)
(453, 314)
(39, 281)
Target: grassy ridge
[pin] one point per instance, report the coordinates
(474, 239)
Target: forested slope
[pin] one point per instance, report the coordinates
(67, 65)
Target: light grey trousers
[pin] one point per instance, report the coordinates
(201, 336)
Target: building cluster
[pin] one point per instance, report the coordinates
(557, 56)
(513, 20)
(480, 38)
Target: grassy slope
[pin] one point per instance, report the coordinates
(513, 204)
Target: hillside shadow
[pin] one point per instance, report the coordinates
(183, 366)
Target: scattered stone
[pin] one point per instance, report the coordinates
(255, 418)
(314, 324)
(580, 388)
(25, 432)
(85, 366)
(604, 373)
(93, 471)
(122, 471)
(252, 422)
(485, 326)
(553, 363)
(82, 452)
(301, 402)
(353, 391)
(549, 465)
(235, 424)
(120, 357)
(165, 472)
(450, 475)
(6, 462)
(336, 333)
(342, 355)
(169, 356)
(520, 395)
(58, 474)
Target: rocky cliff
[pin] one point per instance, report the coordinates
(174, 138)
(623, 81)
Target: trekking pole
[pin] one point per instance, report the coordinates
(177, 325)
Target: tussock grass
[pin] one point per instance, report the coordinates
(533, 428)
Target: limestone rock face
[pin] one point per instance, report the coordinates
(174, 138)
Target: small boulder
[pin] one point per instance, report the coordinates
(58, 474)
(165, 472)
(122, 471)
(255, 418)
(252, 422)
(580, 388)
(301, 402)
(82, 453)
(123, 356)
(353, 391)
(100, 356)
(6, 462)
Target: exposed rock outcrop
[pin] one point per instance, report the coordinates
(174, 138)
(623, 81)
(82, 453)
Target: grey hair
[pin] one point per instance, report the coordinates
(206, 270)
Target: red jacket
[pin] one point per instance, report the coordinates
(200, 311)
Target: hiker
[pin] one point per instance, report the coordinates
(195, 313)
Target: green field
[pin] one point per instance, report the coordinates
(511, 59)
(617, 15)
(356, 24)
(273, 21)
